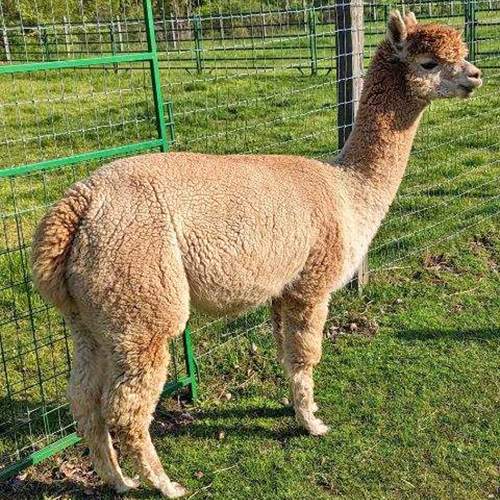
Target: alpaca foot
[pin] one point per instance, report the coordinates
(312, 424)
(127, 484)
(174, 490)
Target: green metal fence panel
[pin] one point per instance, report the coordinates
(470, 12)
(34, 345)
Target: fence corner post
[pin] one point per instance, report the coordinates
(349, 57)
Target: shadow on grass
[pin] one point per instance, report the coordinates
(472, 335)
(234, 421)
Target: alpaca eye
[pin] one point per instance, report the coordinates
(429, 65)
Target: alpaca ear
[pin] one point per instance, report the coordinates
(410, 20)
(397, 30)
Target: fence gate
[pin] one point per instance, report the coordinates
(49, 80)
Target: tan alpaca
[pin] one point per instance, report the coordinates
(127, 250)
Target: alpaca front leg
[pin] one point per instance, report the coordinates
(303, 324)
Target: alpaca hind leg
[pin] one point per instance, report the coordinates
(87, 383)
(303, 323)
(140, 373)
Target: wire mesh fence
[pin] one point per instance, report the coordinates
(234, 81)
(300, 38)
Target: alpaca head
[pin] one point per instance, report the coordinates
(433, 58)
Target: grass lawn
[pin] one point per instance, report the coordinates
(410, 377)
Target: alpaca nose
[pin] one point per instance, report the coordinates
(473, 75)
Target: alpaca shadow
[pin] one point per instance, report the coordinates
(467, 335)
(240, 423)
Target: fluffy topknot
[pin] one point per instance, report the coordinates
(443, 42)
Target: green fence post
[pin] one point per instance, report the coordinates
(198, 49)
(470, 19)
(155, 74)
(190, 365)
(162, 132)
(44, 38)
(313, 39)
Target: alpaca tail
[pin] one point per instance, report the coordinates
(52, 243)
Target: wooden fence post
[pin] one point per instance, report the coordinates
(119, 32)
(349, 46)
(6, 45)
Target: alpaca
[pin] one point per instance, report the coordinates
(126, 251)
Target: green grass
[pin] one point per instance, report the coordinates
(409, 381)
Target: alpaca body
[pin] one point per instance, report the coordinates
(125, 252)
(243, 227)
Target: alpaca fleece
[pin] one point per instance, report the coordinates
(443, 42)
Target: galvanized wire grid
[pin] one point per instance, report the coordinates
(236, 82)
(451, 188)
(251, 95)
(47, 115)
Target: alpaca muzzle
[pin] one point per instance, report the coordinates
(473, 77)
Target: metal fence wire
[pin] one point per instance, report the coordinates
(85, 81)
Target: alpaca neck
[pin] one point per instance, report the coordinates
(375, 156)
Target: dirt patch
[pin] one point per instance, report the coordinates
(485, 245)
(165, 422)
(480, 242)
(359, 325)
(434, 268)
(59, 478)
(439, 262)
